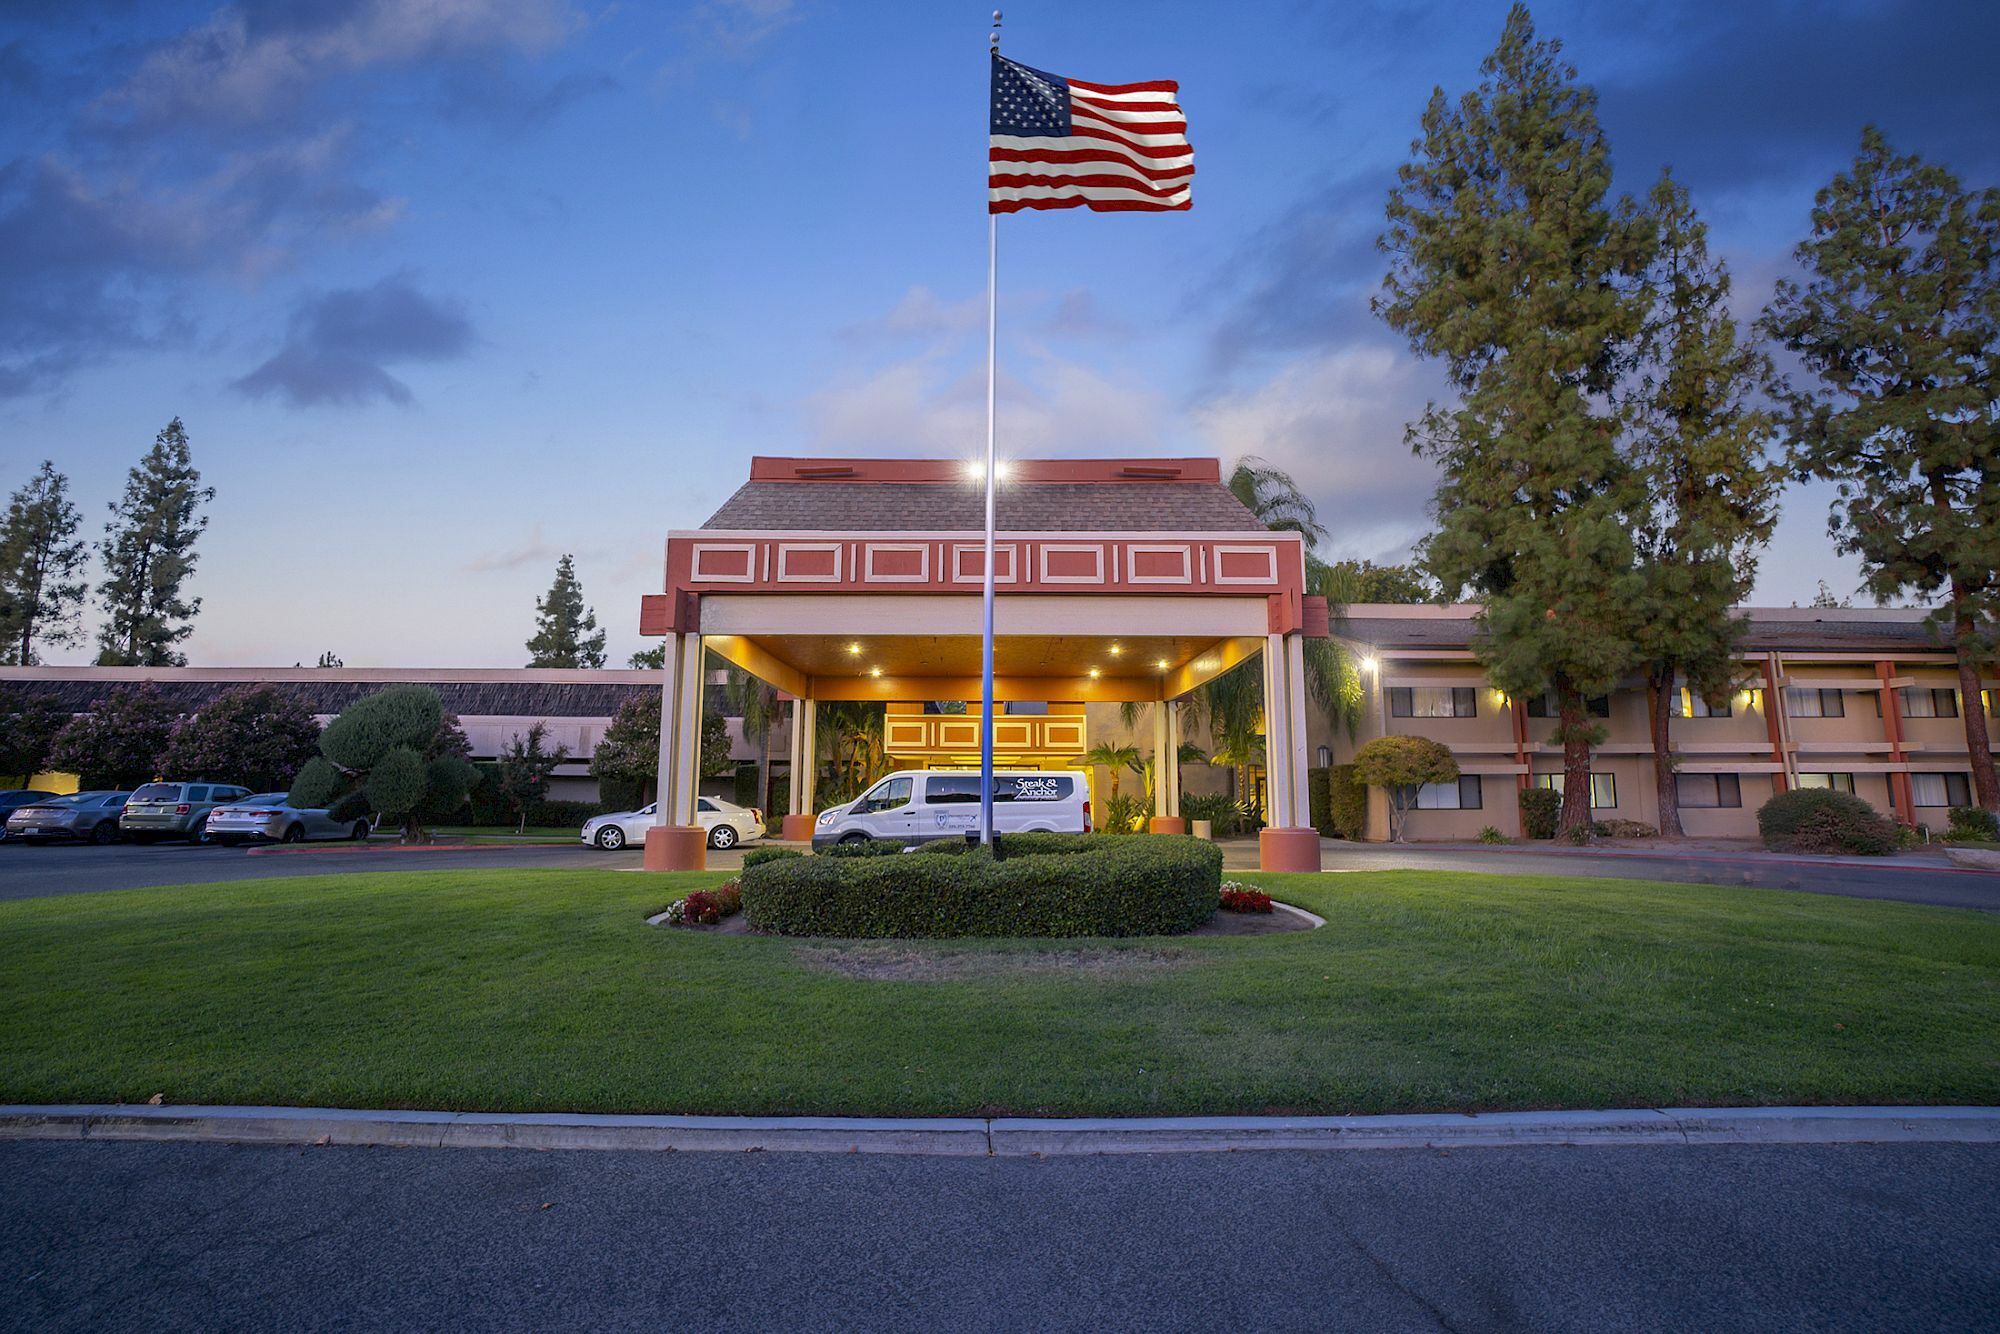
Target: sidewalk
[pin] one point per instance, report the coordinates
(1000, 1136)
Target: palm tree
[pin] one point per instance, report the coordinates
(1270, 493)
(756, 703)
(850, 739)
(1113, 758)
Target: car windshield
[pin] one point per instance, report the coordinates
(158, 792)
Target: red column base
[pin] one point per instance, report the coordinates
(1167, 824)
(797, 829)
(676, 848)
(1288, 850)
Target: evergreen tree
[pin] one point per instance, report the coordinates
(41, 566)
(148, 554)
(654, 657)
(1351, 581)
(628, 756)
(395, 754)
(566, 633)
(1510, 264)
(1699, 444)
(1898, 319)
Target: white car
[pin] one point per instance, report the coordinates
(727, 824)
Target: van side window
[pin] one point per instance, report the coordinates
(889, 794)
(951, 790)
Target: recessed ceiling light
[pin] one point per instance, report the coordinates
(1115, 650)
(854, 648)
(1093, 673)
(874, 671)
(1161, 664)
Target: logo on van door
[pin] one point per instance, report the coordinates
(1028, 788)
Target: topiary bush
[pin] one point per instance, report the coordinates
(758, 856)
(1817, 819)
(1319, 802)
(1349, 797)
(1026, 885)
(1541, 808)
(395, 754)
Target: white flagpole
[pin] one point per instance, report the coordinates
(986, 581)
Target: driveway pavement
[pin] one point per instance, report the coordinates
(32, 871)
(179, 1236)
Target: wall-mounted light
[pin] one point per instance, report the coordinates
(1369, 665)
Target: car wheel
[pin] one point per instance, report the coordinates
(359, 832)
(201, 838)
(722, 836)
(611, 838)
(105, 832)
(295, 833)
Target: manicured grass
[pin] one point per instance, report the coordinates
(546, 990)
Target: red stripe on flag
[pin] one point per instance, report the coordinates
(1066, 155)
(1094, 205)
(1001, 181)
(1155, 86)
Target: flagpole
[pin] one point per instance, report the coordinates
(986, 580)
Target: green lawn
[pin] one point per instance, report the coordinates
(546, 990)
(534, 833)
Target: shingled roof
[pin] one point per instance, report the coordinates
(188, 690)
(933, 495)
(1785, 629)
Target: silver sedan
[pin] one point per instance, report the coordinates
(81, 815)
(270, 818)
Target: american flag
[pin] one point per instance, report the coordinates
(1060, 143)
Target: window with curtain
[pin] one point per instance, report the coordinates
(1836, 782)
(1923, 702)
(1809, 702)
(1691, 704)
(1941, 789)
(1708, 791)
(1433, 702)
(1463, 795)
(1544, 706)
(1603, 788)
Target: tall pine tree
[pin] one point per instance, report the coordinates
(566, 633)
(41, 569)
(1699, 439)
(1898, 319)
(148, 554)
(1511, 264)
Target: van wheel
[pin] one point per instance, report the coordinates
(854, 838)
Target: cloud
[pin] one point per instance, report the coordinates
(921, 314)
(1334, 420)
(342, 342)
(724, 30)
(536, 550)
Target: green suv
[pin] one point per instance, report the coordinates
(174, 810)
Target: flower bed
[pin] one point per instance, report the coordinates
(707, 907)
(1030, 885)
(1239, 897)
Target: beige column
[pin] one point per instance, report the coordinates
(675, 842)
(1166, 772)
(1288, 843)
(798, 824)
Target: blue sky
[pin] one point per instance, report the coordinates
(444, 290)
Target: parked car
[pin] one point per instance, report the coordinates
(271, 818)
(175, 810)
(80, 815)
(918, 805)
(727, 824)
(14, 799)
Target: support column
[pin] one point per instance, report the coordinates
(676, 842)
(1174, 750)
(1165, 769)
(1901, 790)
(798, 826)
(1288, 843)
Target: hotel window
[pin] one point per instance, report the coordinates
(1707, 791)
(1992, 698)
(1922, 702)
(1804, 702)
(1941, 789)
(1835, 782)
(1433, 702)
(1464, 795)
(1544, 706)
(1692, 705)
(1603, 788)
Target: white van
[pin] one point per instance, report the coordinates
(917, 805)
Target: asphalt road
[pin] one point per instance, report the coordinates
(180, 1236)
(36, 871)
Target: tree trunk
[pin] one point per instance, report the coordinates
(1660, 702)
(1972, 711)
(1576, 761)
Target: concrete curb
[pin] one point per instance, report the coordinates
(1000, 1136)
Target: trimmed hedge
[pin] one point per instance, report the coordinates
(1319, 800)
(1347, 796)
(1027, 885)
(1541, 811)
(758, 856)
(1818, 819)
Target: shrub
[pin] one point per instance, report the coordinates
(1491, 835)
(1400, 765)
(1349, 801)
(1123, 814)
(1541, 807)
(1215, 808)
(1239, 897)
(758, 856)
(1617, 828)
(1822, 820)
(874, 847)
(1973, 824)
(706, 907)
(1026, 885)
(1319, 802)
(745, 783)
